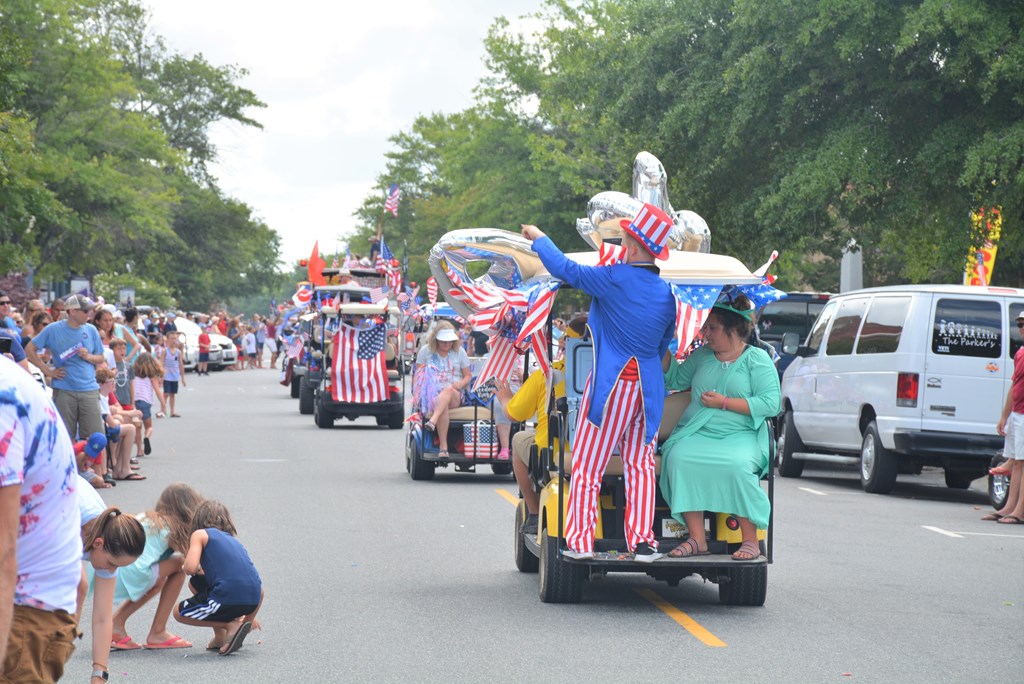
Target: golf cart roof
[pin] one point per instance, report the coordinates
(356, 309)
(351, 288)
(688, 268)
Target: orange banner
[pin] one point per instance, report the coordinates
(986, 225)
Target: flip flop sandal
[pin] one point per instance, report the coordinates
(429, 425)
(688, 548)
(236, 641)
(135, 477)
(999, 471)
(442, 454)
(173, 642)
(1010, 520)
(991, 516)
(124, 644)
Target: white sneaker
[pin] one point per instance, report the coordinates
(645, 554)
(577, 555)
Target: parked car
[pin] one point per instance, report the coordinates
(896, 378)
(222, 350)
(794, 314)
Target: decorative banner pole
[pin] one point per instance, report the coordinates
(986, 226)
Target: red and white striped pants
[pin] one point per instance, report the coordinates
(623, 423)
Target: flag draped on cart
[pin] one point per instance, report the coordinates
(432, 291)
(359, 371)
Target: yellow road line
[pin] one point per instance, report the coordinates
(508, 496)
(687, 622)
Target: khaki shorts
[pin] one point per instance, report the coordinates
(80, 412)
(521, 443)
(41, 643)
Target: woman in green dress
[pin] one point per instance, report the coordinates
(717, 454)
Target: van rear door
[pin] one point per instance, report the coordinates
(966, 363)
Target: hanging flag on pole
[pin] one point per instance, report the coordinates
(391, 203)
(315, 266)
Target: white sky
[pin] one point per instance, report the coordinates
(339, 78)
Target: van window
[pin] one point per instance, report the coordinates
(883, 325)
(820, 326)
(1016, 334)
(967, 327)
(844, 330)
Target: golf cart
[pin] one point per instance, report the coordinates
(561, 579)
(309, 368)
(359, 372)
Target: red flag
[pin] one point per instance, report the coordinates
(360, 369)
(315, 267)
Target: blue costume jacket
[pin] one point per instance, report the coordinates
(632, 314)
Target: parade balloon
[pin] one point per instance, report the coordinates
(650, 182)
(509, 256)
(691, 231)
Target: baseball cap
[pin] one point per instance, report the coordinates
(92, 447)
(171, 314)
(77, 301)
(1020, 316)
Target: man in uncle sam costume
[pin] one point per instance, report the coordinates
(632, 319)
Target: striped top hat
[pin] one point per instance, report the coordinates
(650, 226)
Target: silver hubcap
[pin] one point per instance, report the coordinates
(867, 456)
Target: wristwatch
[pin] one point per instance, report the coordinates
(103, 674)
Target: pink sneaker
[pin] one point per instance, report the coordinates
(503, 455)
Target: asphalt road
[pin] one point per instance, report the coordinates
(372, 577)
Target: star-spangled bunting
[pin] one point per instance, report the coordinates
(693, 304)
(762, 294)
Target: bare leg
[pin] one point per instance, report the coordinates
(123, 452)
(448, 398)
(168, 598)
(530, 497)
(695, 525)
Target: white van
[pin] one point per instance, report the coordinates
(896, 378)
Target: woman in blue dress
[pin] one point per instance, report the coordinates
(717, 454)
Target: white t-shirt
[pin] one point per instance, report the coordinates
(250, 343)
(40, 459)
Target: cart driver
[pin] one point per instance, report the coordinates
(632, 317)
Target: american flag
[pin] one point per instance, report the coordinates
(693, 304)
(541, 299)
(334, 262)
(480, 440)
(384, 257)
(432, 290)
(378, 294)
(391, 203)
(500, 362)
(359, 371)
(610, 254)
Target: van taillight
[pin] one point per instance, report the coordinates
(906, 389)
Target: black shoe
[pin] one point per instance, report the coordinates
(109, 479)
(530, 525)
(645, 554)
(146, 448)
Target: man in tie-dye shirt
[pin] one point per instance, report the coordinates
(40, 543)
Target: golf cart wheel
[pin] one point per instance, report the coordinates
(321, 416)
(419, 468)
(789, 442)
(525, 561)
(998, 485)
(501, 468)
(306, 406)
(878, 465)
(397, 420)
(296, 379)
(747, 586)
(560, 581)
(957, 479)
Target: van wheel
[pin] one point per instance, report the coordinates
(525, 561)
(878, 465)
(998, 485)
(789, 442)
(956, 479)
(747, 586)
(560, 581)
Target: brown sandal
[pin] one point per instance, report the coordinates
(748, 551)
(688, 548)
